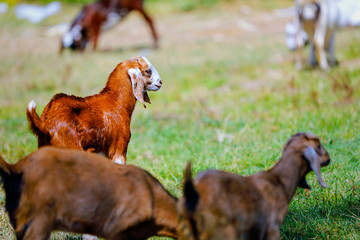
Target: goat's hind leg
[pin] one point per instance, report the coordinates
(65, 140)
(151, 25)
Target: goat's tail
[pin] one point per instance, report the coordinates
(34, 120)
(11, 178)
(190, 193)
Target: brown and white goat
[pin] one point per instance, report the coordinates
(98, 123)
(222, 205)
(319, 19)
(76, 191)
(99, 16)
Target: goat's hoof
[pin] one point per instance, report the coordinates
(89, 237)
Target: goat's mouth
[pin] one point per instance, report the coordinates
(327, 162)
(154, 87)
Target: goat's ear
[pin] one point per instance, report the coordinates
(314, 160)
(138, 86)
(310, 136)
(190, 194)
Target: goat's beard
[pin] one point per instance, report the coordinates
(303, 183)
(146, 97)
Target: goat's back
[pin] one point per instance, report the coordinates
(86, 192)
(74, 111)
(118, 4)
(229, 205)
(76, 122)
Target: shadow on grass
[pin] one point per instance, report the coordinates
(329, 221)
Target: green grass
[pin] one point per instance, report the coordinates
(248, 91)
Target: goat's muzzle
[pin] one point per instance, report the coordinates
(327, 162)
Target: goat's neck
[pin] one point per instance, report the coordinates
(289, 170)
(119, 88)
(167, 218)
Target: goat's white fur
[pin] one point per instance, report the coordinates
(120, 160)
(155, 76)
(89, 237)
(31, 105)
(323, 36)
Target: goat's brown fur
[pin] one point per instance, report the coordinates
(222, 205)
(77, 191)
(98, 123)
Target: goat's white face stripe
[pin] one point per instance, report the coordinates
(155, 77)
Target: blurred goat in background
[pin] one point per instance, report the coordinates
(100, 16)
(315, 22)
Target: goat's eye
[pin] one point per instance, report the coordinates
(319, 148)
(148, 71)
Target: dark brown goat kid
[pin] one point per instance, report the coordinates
(98, 123)
(222, 205)
(76, 191)
(99, 16)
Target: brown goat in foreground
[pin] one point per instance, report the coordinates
(222, 205)
(82, 192)
(98, 123)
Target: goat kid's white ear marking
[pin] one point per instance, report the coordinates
(137, 84)
(314, 160)
(31, 105)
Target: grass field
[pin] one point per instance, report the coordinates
(231, 98)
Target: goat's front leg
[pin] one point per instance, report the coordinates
(96, 37)
(299, 51)
(119, 154)
(319, 41)
(40, 227)
(273, 233)
(330, 48)
(118, 149)
(313, 61)
(119, 159)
